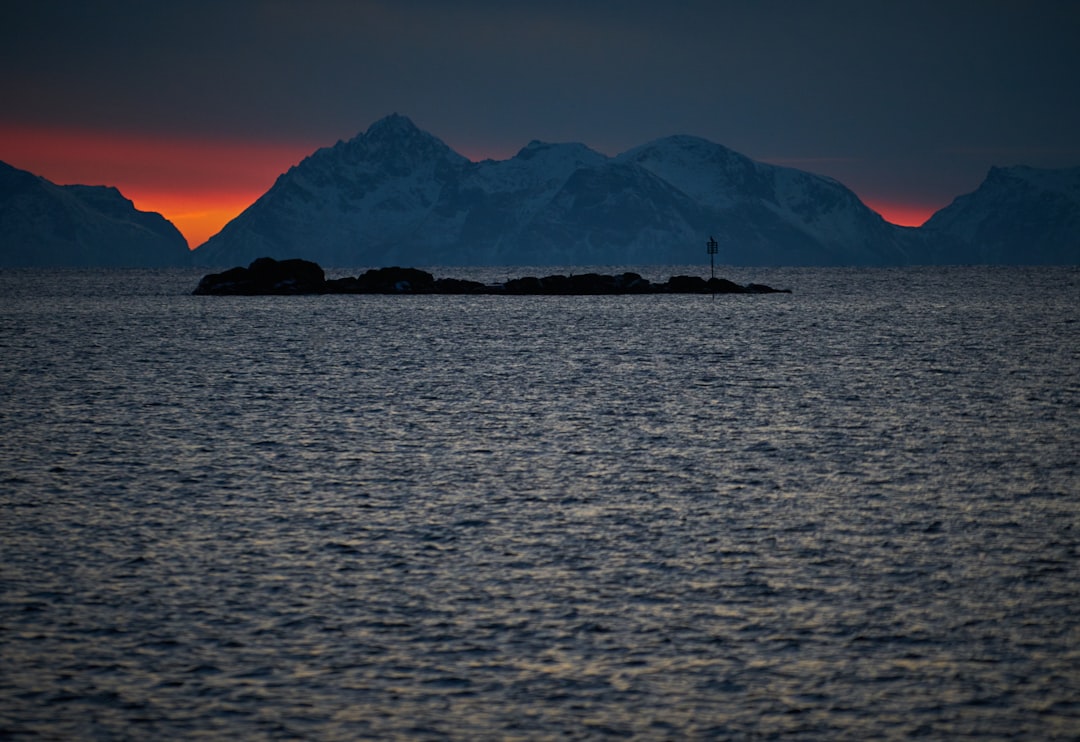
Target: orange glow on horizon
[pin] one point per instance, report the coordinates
(202, 184)
(197, 184)
(198, 216)
(902, 214)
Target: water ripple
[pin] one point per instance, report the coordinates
(845, 513)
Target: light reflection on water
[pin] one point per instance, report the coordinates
(845, 513)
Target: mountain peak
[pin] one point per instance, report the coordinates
(1017, 214)
(397, 194)
(571, 151)
(394, 125)
(397, 137)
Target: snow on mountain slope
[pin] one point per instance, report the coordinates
(615, 214)
(500, 198)
(1018, 215)
(372, 191)
(539, 165)
(398, 195)
(829, 224)
(45, 224)
(709, 173)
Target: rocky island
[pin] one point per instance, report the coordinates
(267, 276)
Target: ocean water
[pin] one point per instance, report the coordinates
(851, 512)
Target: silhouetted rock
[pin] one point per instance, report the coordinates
(459, 286)
(269, 276)
(687, 285)
(724, 286)
(632, 283)
(346, 285)
(524, 285)
(760, 288)
(396, 280)
(555, 284)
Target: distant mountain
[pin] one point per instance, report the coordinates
(775, 215)
(1019, 216)
(44, 224)
(398, 195)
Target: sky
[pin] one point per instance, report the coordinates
(193, 107)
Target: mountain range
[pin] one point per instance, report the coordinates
(397, 195)
(44, 224)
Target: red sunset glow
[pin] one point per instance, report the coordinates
(906, 215)
(199, 215)
(197, 184)
(201, 184)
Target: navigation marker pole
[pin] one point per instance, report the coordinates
(711, 244)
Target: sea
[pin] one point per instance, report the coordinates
(851, 512)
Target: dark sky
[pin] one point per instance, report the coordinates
(908, 103)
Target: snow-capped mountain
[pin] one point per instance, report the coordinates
(769, 214)
(373, 194)
(1018, 215)
(44, 224)
(398, 195)
(565, 204)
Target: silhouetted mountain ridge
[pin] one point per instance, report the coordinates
(43, 225)
(1017, 215)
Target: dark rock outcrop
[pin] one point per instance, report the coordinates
(579, 284)
(266, 276)
(295, 276)
(459, 286)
